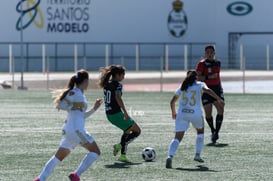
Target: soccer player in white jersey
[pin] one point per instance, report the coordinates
(189, 111)
(72, 100)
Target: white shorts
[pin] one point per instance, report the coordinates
(71, 139)
(183, 121)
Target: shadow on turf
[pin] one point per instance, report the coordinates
(217, 144)
(199, 168)
(121, 165)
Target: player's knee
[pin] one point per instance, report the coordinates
(137, 130)
(220, 109)
(137, 133)
(98, 152)
(200, 131)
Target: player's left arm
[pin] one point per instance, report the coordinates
(95, 107)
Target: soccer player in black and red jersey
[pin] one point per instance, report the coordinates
(208, 71)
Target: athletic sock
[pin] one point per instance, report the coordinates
(49, 168)
(87, 162)
(199, 143)
(131, 137)
(210, 123)
(126, 139)
(123, 143)
(219, 120)
(173, 147)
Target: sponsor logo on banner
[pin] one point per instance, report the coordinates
(239, 8)
(54, 16)
(30, 11)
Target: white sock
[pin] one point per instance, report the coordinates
(173, 147)
(87, 162)
(49, 168)
(199, 143)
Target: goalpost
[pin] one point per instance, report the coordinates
(233, 39)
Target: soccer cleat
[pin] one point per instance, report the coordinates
(123, 158)
(36, 179)
(198, 159)
(74, 177)
(169, 162)
(116, 149)
(214, 138)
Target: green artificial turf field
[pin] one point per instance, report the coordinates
(30, 132)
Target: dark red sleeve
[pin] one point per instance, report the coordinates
(200, 66)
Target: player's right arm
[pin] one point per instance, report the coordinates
(172, 104)
(175, 97)
(199, 71)
(66, 103)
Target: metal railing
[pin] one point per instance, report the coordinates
(56, 57)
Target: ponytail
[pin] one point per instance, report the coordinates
(189, 80)
(108, 72)
(63, 92)
(76, 79)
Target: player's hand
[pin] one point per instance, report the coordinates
(97, 104)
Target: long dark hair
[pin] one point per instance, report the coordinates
(76, 79)
(189, 80)
(108, 72)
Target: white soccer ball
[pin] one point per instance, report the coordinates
(148, 154)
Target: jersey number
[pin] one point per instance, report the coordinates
(191, 100)
(107, 96)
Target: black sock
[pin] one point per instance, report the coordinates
(219, 120)
(210, 123)
(126, 139)
(123, 143)
(131, 137)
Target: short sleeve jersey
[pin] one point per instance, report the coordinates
(111, 105)
(74, 98)
(208, 68)
(190, 100)
(75, 118)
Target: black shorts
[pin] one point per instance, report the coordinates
(207, 99)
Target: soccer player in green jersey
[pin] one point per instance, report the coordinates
(116, 112)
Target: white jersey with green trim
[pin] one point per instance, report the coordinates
(75, 119)
(190, 100)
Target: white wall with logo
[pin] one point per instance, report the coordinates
(142, 20)
(139, 21)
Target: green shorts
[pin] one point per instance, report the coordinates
(118, 120)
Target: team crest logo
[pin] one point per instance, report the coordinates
(177, 20)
